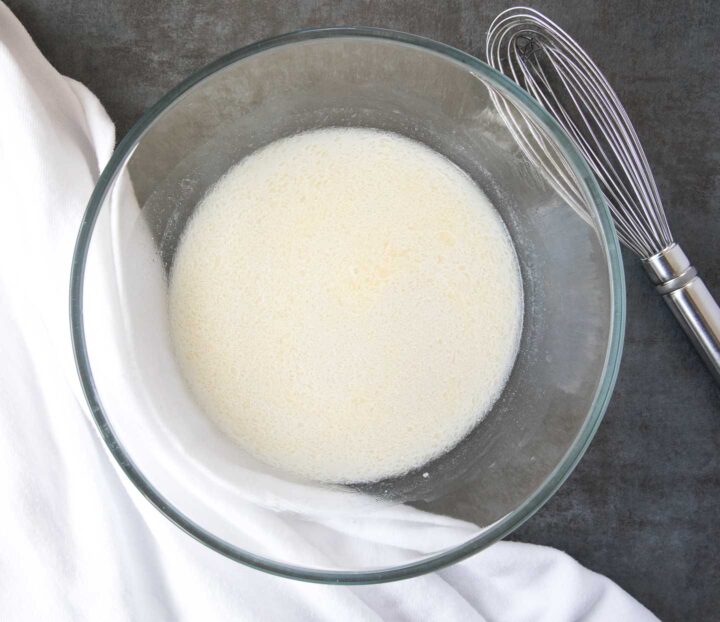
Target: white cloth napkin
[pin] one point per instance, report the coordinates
(77, 541)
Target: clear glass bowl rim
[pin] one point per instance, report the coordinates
(490, 534)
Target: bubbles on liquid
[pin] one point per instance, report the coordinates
(346, 304)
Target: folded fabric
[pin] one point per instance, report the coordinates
(77, 541)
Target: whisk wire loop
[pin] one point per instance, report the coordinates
(555, 70)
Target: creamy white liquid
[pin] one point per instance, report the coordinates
(346, 304)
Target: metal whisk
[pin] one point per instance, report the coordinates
(543, 59)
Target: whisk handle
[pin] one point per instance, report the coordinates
(690, 301)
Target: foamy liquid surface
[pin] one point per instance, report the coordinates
(346, 304)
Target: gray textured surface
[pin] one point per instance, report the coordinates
(643, 506)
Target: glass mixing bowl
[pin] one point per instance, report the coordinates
(513, 460)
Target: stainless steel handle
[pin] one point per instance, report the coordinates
(690, 301)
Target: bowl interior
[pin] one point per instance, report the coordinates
(511, 461)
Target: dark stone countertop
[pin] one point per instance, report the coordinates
(643, 506)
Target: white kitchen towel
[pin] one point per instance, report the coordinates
(77, 542)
